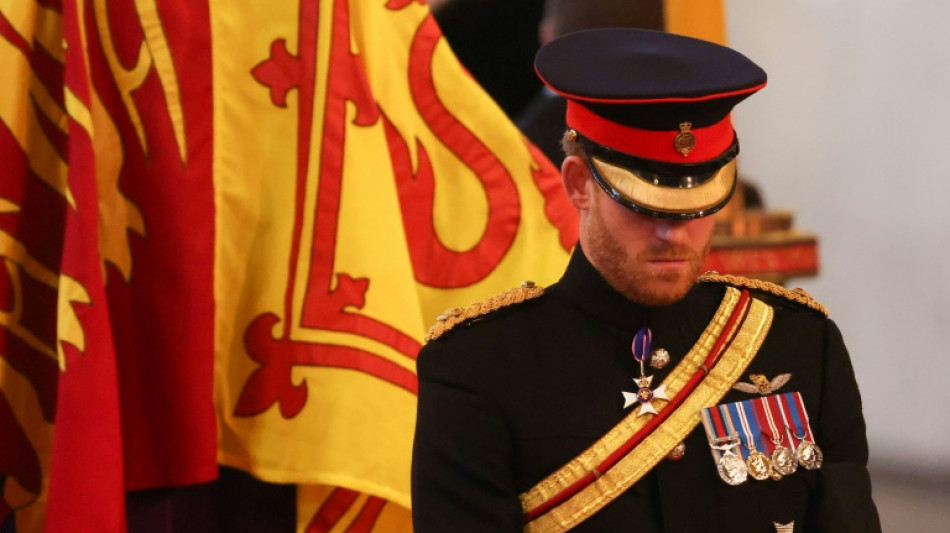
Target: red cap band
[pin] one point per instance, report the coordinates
(710, 143)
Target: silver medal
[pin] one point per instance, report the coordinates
(809, 455)
(784, 461)
(732, 469)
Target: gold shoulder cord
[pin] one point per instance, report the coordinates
(453, 317)
(798, 296)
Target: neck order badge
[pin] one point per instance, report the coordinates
(644, 395)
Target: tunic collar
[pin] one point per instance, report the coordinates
(684, 319)
(585, 287)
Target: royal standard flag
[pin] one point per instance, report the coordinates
(403, 190)
(225, 228)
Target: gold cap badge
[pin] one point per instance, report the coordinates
(685, 140)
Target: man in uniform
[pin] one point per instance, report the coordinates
(635, 394)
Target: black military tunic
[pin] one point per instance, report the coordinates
(507, 399)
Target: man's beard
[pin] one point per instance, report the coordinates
(630, 275)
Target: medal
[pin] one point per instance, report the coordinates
(757, 463)
(645, 394)
(784, 462)
(809, 455)
(732, 469)
(723, 441)
(807, 452)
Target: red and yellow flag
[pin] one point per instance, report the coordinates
(702, 19)
(106, 233)
(225, 228)
(404, 191)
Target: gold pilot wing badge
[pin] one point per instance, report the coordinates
(761, 384)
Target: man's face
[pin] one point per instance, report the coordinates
(651, 261)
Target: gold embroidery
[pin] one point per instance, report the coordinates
(798, 296)
(784, 528)
(654, 448)
(453, 317)
(154, 52)
(761, 384)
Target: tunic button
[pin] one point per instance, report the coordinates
(677, 452)
(659, 358)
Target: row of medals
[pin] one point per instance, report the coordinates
(783, 461)
(732, 469)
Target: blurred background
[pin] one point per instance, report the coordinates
(850, 136)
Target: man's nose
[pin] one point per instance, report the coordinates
(671, 230)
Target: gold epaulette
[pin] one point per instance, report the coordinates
(453, 317)
(798, 296)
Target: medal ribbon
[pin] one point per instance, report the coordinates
(727, 418)
(779, 414)
(756, 425)
(792, 428)
(641, 349)
(792, 401)
(775, 435)
(641, 345)
(749, 425)
(720, 420)
(715, 432)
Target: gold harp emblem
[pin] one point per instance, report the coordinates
(685, 140)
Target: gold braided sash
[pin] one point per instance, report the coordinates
(746, 339)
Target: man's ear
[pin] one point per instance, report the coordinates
(577, 180)
(546, 30)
